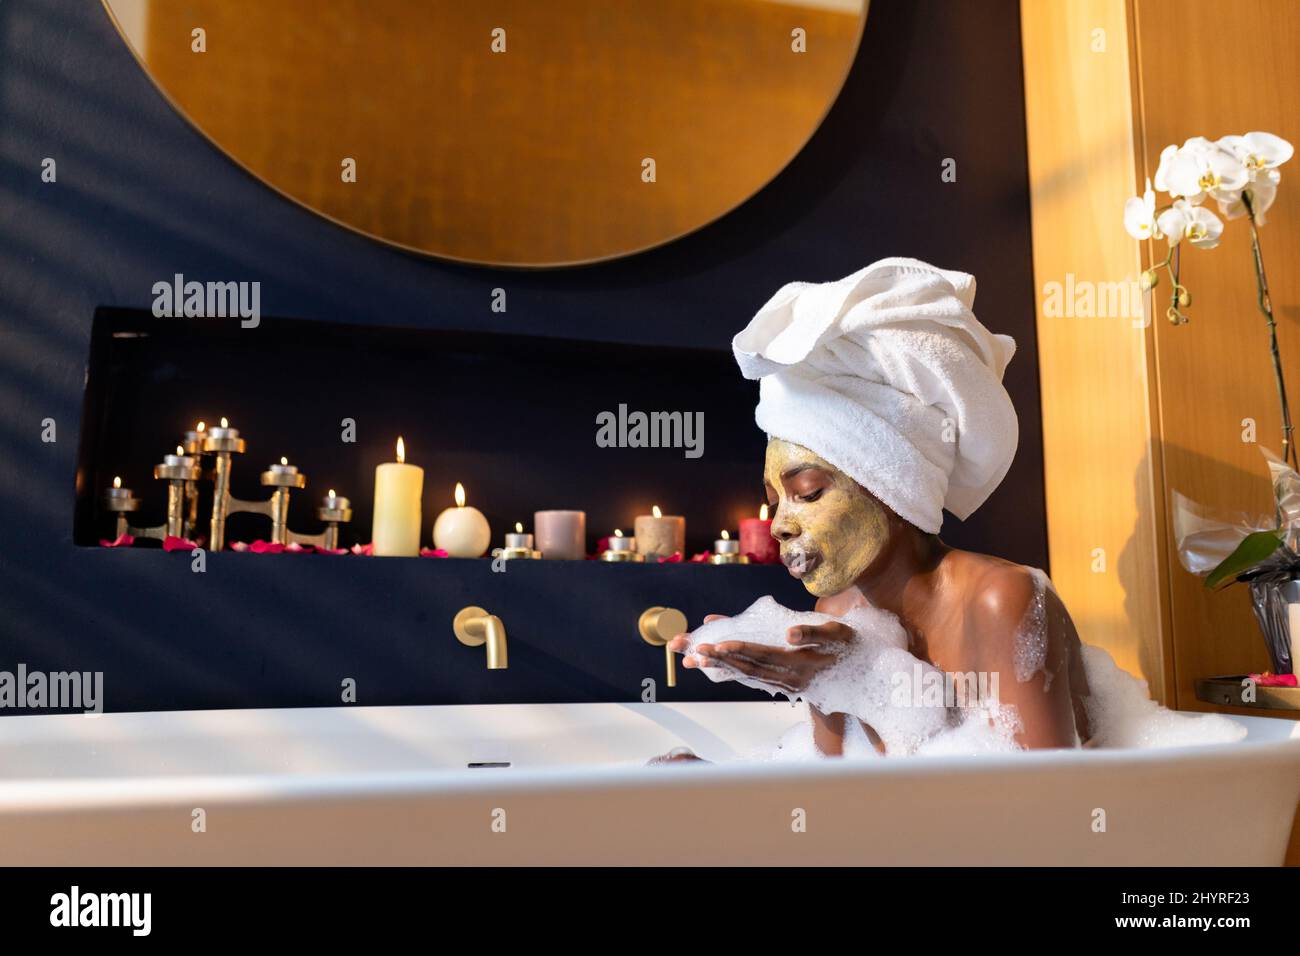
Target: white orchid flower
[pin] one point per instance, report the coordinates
(1162, 171)
(1262, 193)
(1260, 154)
(1199, 168)
(1196, 224)
(1140, 215)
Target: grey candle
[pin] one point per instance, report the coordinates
(561, 534)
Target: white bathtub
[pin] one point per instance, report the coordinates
(392, 785)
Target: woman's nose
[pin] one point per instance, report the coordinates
(784, 529)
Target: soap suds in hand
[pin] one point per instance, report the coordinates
(875, 675)
(872, 680)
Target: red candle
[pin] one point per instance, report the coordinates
(756, 539)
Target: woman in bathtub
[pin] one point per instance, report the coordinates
(883, 401)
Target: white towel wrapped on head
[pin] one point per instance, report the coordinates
(887, 375)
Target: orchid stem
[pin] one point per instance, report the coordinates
(1266, 307)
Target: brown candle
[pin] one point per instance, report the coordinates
(660, 535)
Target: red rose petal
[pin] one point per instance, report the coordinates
(171, 543)
(123, 540)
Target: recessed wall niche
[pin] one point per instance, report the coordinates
(512, 417)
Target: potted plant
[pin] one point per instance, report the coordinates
(1240, 173)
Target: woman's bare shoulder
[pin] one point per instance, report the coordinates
(993, 588)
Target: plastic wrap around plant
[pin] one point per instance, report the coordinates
(1260, 551)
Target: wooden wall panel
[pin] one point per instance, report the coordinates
(1202, 76)
(1104, 506)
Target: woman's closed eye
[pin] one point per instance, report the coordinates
(810, 496)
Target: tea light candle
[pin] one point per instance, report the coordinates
(193, 440)
(621, 548)
(118, 498)
(726, 550)
(462, 531)
(561, 534)
(225, 431)
(333, 502)
(180, 458)
(399, 488)
(659, 535)
(519, 539)
(756, 538)
(621, 543)
(284, 468)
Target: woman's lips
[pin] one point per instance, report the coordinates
(800, 563)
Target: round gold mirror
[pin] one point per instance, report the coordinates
(512, 133)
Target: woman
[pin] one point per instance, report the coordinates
(883, 401)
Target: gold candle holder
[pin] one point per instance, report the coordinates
(182, 472)
(726, 550)
(621, 548)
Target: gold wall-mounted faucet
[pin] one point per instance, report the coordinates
(658, 626)
(475, 627)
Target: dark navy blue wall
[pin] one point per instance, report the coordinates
(141, 195)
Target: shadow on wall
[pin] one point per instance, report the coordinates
(1230, 606)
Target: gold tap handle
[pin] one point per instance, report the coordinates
(658, 626)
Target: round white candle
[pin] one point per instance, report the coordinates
(284, 468)
(398, 490)
(462, 531)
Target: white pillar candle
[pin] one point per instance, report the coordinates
(462, 531)
(398, 489)
(1293, 620)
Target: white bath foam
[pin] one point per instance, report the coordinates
(1031, 636)
(1121, 713)
(863, 683)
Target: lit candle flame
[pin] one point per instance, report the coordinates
(224, 423)
(656, 512)
(618, 533)
(401, 450)
(762, 513)
(519, 527)
(117, 482)
(200, 427)
(725, 536)
(460, 495)
(283, 460)
(180, 450)
(332, 495)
